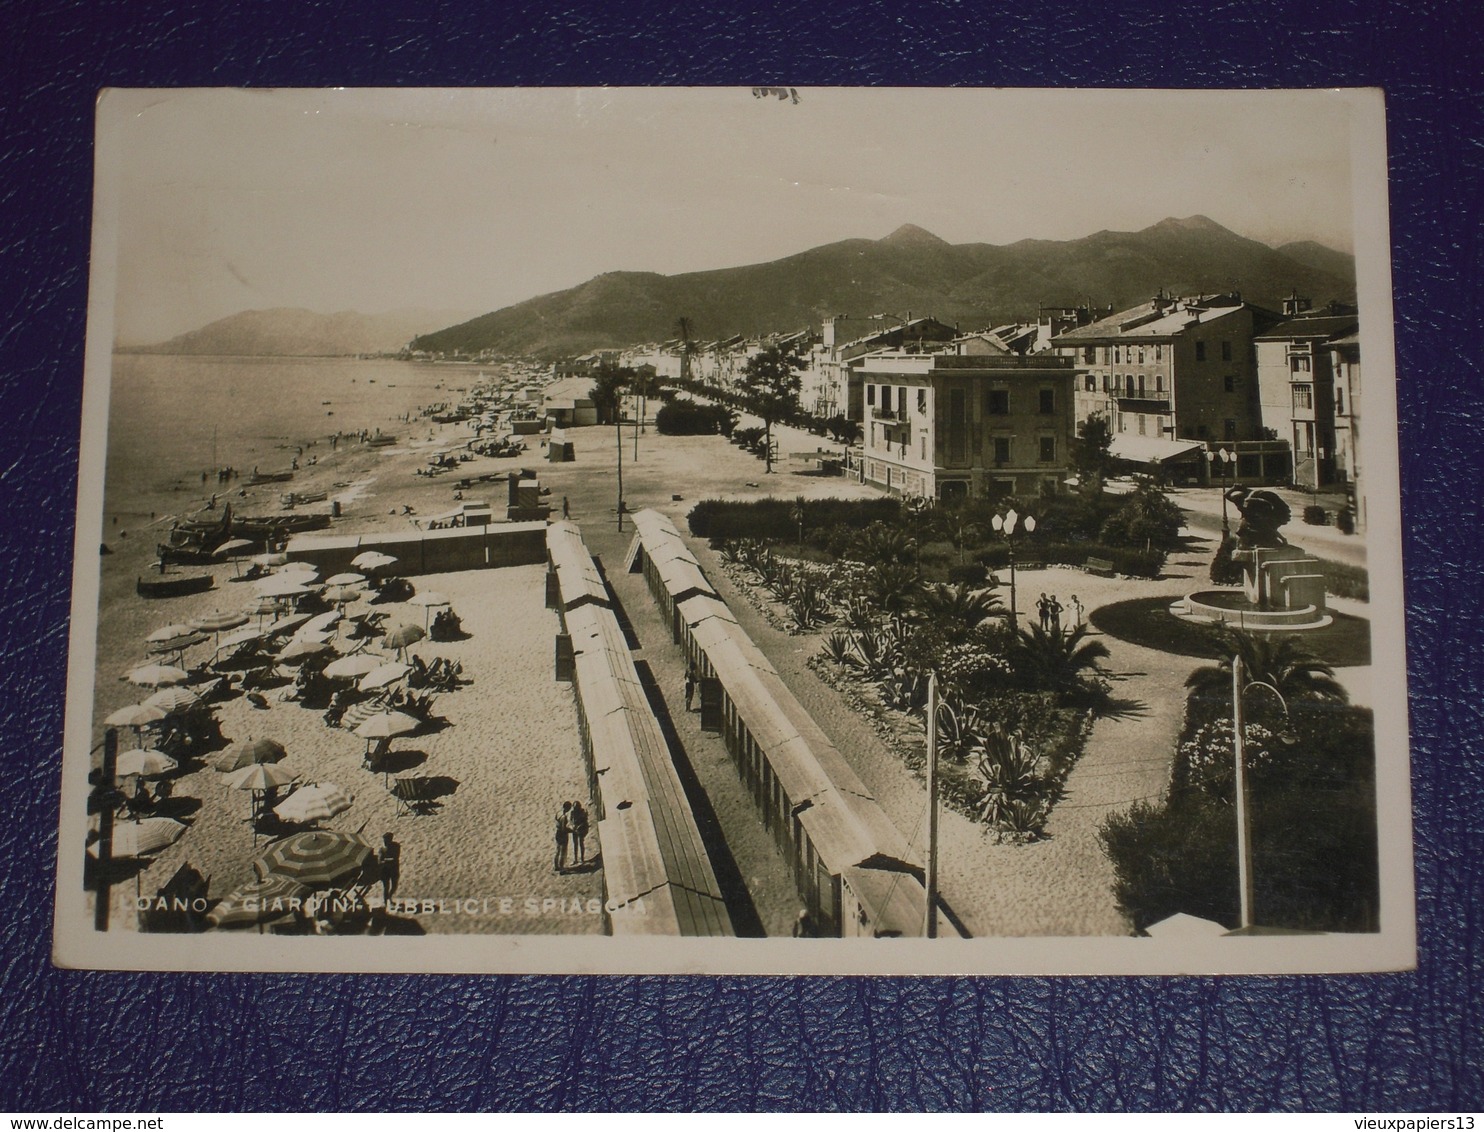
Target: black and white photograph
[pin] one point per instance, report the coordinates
(757, 530)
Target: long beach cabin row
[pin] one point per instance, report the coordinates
(853, 868)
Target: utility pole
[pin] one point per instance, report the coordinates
(930, 926)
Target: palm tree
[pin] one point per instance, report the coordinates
(958, 606)
(1276, 659)
(891, 588)
(1055, 662)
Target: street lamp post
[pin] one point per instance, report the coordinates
(618, 435)
(1005, 525)
(1225, 458)
(1244, 814)
(917, 506)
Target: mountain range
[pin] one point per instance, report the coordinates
(910, 271)
(286, 331)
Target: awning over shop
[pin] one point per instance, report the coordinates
(1149, 449)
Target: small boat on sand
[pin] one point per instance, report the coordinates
(173, 587)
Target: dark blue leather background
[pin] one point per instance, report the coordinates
(72, 1040)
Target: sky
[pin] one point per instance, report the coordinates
(217, 201)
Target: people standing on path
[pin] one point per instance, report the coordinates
(1054, 609)
(563, 833)
(1043, 607)
(690, 686)
(1077, 612)
(579, 823)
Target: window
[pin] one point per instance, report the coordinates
(1048, 400)
(1089, 354)
(1229, 429)
(871, 395)
(1142, 420)
(1303, 396)
(1117, 354)
(996, 402)
(1300, 364)
(1226, 351)
(1159, 383)
(1230, 381)
(1048, 449)
(1002, 450)
(922, 400)
(1340, 401)
(1159, 352)
(1091, 384)
(1141, 355)
(1107, 384)
(1200, 351)
(922, 446)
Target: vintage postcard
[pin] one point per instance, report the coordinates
(738, 530)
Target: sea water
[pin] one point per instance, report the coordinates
(171, 418)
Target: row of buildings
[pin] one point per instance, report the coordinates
(1206, 387)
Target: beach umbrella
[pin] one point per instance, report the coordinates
(350, 667)
(275, 558)
(259, 902)
(314, 803)
(321, 623)
(372, 560)
(382, 675)
(239, 755)
(219, 622)
(143, 838)
(146, 763)
(241, 637)
(282, 585)
(283, 624)
(298, 651)
(299, 568)
(404, 635)
(172, 701)
(135, 715)
(345, 580)
(317, 858)
(387, 725)
(260, 776)
(156, 675)
(170, 633)
(177, 646)
(429, 601)
(342, 595)
(260, 607)
(231, 546)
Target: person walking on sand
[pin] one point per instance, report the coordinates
(566, 508)
(1077, 611)
(579, 833)
(690, 687)
(563, 832)
(389, 859)
(1054, 609)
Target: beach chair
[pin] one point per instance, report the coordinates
(376, 754)
(414, 796)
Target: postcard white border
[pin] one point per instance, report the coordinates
(77, 944)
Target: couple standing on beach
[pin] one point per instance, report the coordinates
(571, 830)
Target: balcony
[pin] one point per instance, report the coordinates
(889, 415)
(1150, 403)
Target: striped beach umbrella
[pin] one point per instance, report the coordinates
(239, 755)
(259, 902)
(143, 838)
(314, 803)
(219, 622)
(404, 635)
(260, 776)
(316, 858)
(170, 633)
(172, 701)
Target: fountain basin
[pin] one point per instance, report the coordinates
(1234, 608)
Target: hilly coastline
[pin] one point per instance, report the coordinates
(295, 332)
(910, 270)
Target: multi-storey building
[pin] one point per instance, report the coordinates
(966, 425)
(1303, 399)
(845, 340)
(1176, 378)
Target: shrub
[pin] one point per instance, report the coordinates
(1146, 518)
(1315, 515)
(1344, 580)
(969, 574)
(772, 519)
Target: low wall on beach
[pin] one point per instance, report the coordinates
(428, 552)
